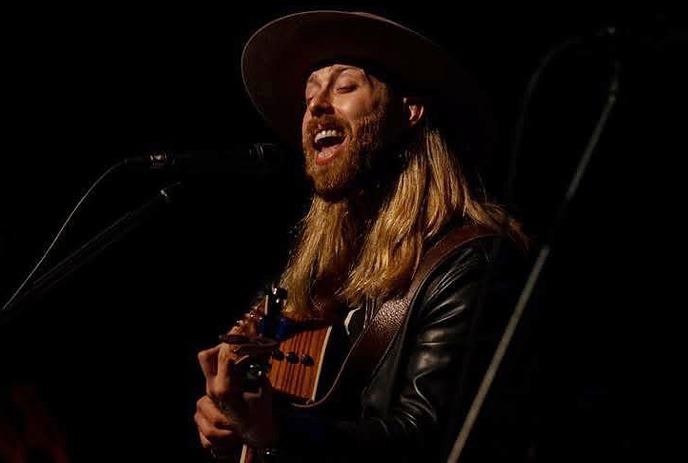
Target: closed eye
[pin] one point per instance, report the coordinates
(346, 88)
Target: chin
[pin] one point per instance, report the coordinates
(333, 190)
(334, 180)
(333, 195)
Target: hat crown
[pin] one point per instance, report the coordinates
(278, 58)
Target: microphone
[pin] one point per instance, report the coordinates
(246, 159)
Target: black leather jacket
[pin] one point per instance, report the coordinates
(414, 405)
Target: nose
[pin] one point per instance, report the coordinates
(320, 104)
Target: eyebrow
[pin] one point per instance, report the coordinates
(338, 71)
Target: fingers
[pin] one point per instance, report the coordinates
(215, 436)
(210, 411)
(208, 361)
(223, 381)
(225, 358)
(205, 443)
(236, 329)
(214, 428)
(227, 383)
(224, 391)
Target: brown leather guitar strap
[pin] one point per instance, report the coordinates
(371, 346)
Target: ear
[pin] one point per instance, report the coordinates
(414, 109)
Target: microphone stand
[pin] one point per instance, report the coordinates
(545, 249)
(88, 251)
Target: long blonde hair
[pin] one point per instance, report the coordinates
(343, 260)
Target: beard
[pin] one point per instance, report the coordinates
(350, 170)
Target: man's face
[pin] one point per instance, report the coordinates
(349, 118)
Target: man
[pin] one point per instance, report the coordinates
(383, 115)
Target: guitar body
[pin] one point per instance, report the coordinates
(294, 368)
(298, 378)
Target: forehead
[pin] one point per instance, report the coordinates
(325, 72)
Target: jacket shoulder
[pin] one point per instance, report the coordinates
(487, 265)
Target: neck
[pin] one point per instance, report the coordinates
(363, 208)
(365, 202)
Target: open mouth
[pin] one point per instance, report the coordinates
(327, 142)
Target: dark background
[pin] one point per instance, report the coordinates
(108, 357)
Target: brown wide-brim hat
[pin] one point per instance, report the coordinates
(280, 56)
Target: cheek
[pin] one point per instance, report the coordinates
(304, 134)
(354, 109)
(304, 123)
(361, 108)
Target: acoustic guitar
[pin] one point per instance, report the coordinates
(288, 351)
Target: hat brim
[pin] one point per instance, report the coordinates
(280, 56)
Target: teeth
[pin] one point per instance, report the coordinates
(328, 133)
